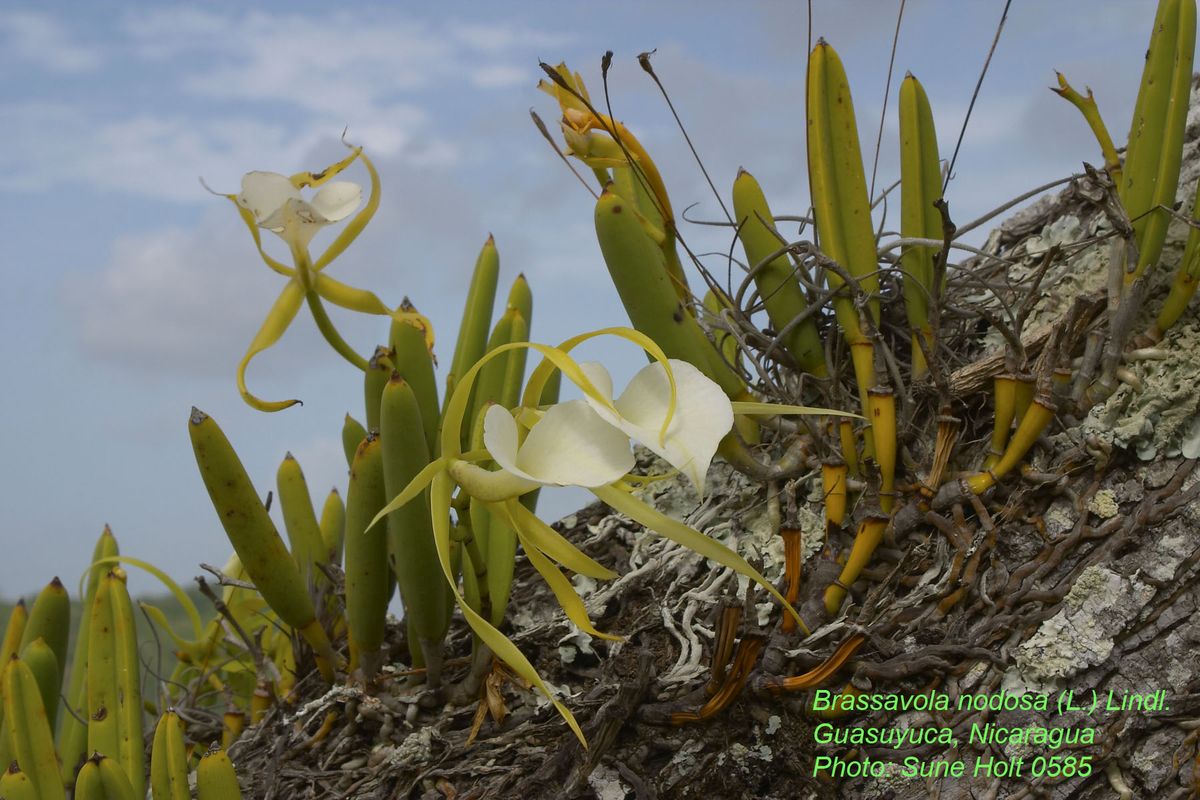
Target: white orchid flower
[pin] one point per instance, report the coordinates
(277, 205)
(586, 442)
(274, 202)
(703, 414)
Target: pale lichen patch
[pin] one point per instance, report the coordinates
(607, 784)
(1059, 518)
(812, 531)
(1163, 419)
(1104, 504)
(1081, 635)
(683, 763)
(573, 645)
(416, 747)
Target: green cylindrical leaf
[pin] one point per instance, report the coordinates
(50, 619)
(840, 204)
(353, 432)
(477, 314)
(637, 269)
(411, 549)
(131, 749)
(28, 731)
(1187, 276)
(168, 760)
(333, 526)
(920, 187)
(414, 362)
(16, 785)
(374, 379)
(1155, 151)
(40, 659)
(103, 729)
(72, 734)
(300, 520)
(259, 547)
(216, 778)
(776, 280)
(366, 558)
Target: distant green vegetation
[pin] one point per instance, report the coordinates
(148, 635)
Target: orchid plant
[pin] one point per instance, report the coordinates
(485, 460)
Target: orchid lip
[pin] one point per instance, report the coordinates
(570, 445)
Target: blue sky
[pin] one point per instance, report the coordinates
(130, 293)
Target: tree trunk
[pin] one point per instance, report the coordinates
(1079, 574)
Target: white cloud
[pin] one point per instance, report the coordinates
(501, 76)
(163, 156)
(42, 40)
(338, 65)
(259, 91)
(350, 64)
(156, 156)
(173, 300)
(493, 39)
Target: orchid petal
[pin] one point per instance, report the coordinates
(598, 375)
(251, 224)
(703, 414)
(338, 200)
(264, 194)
